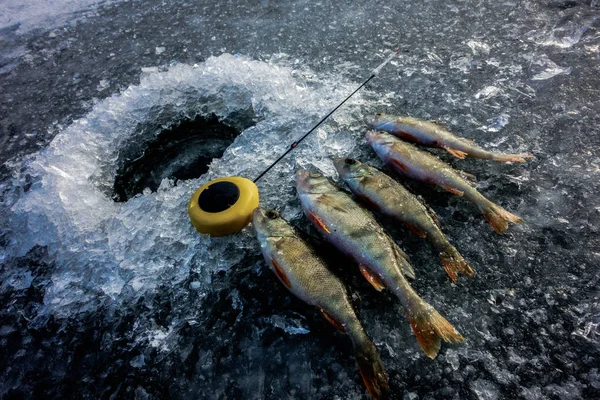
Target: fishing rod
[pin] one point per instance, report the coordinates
(224, 206)
(374, 73)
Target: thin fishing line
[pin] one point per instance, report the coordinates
(297, 142)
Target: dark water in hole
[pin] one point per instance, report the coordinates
(182, 152)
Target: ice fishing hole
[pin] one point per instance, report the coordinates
(183, 151)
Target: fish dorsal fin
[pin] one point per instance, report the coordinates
(398, 251)
(373, 279)
(403, 262)
(280, 273)
(430, 211)
(469, 178)
(332, 321)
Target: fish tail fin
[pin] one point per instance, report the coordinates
(454, 263)
(498, 217)
(512, 157)
(371, 368)
(431, 328)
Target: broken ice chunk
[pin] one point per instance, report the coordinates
(551, 72)
(497, 123)
(545, 68)
(568, 31)
(478, 47)
(487, 92)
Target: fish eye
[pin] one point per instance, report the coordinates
(350, 161)
(314, 174)
(272, 214)
(379, 114)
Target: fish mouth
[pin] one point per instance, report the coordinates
(261, 213)
(339, 164)
(268, 223)
(375, 137)
(306, 174)
(343, 164)
(371, 121)
(379, 121)
(258, 215)
(301, 175)
(302, 180)
(308, 181)
(258, 212)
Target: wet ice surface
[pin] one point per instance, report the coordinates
(125, 300)
(27, 15)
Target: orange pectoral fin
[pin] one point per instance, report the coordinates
(453, 190)
(417, 230)
(400, 165)
(372, 278)
(456, 153)
(320, 223)
(332, 321)
(281, 274)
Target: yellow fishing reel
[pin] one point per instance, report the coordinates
(223, 206)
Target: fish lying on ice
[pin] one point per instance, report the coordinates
(432, 134)
(390, 198)
(420, 165)
(355, 232)
(304, 274)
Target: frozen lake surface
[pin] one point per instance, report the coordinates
(123, 299)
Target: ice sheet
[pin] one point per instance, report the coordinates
(45, 14)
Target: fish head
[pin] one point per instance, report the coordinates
(380, 139)
(349, 168)
(381, 121)
(311, 181)
(268, 223)
(388, 146)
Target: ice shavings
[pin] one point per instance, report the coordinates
(479, 47)
(551, 72)
(123, 251)
(292, 326)
(497, 123)
(544, 68)
(568, 31)
(462, 63)
(487, 92)
(484, 390)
